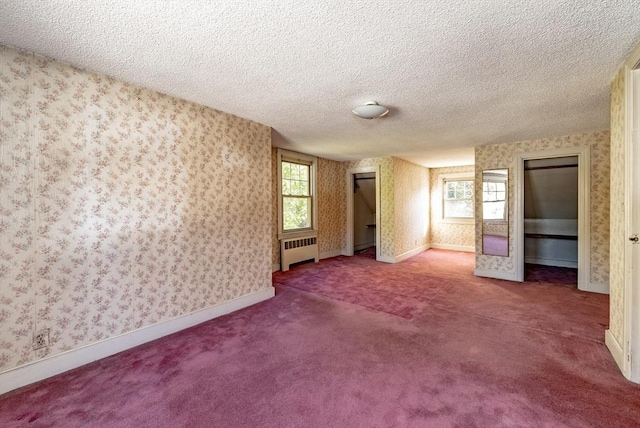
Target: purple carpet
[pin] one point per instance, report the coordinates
(475, 352)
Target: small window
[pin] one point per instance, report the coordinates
(458, 199)
(296, 194)
(493, 200)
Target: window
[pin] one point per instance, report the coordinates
(493, 200)
(458, 199)
(296, 187)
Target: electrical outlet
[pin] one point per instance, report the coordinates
(41, 339)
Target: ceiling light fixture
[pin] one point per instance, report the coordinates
(370, 110)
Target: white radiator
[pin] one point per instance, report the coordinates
(296, 250)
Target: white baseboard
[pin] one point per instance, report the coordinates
(275, 267)
(386, 259)
(497, 274)
(465, 248)
(615, 349)
(551, 262)
(33, 372)
(329, 254)
(411, 253)
(594, 287)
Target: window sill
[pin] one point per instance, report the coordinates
(299, 234)
(457, 221)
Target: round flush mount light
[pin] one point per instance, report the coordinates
(370, 110)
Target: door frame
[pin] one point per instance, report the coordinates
(349, 235)
(584, 203)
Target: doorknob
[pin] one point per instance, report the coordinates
(634, 238)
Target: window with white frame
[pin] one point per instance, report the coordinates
(296, 193)
(457, 198)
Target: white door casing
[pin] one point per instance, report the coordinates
(584, 219)
(349, 238)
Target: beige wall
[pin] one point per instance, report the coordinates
(617, 220)
(387, 205)
(404, 208)
(332, 206)
(331, 187)
(446, 233)
(120, 207)
(411, 199)
(501, 156)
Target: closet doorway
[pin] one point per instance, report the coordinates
(551, 212)
(363, 210)
(568, 231)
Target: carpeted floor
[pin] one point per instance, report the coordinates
(442, 348)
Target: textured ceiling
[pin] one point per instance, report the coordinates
(454, 73)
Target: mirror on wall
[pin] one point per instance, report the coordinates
(495, 224)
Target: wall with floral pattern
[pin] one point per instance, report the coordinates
(411, 199)
(448, 233)
(275, 242)
(120, 207)
(501, 156)
(617, 219)
(332, 222)
(387, 203)
(332, 205)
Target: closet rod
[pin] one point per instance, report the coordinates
(532, 168)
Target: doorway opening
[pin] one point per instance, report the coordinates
(551, 219)
(576, 232)
(363, 211)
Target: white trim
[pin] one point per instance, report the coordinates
(349, 230)
(615, 349)
(275, 267)
(385, 259)
(551, 262)
(595, 287)
(465, 248)
(497, 274)
(411, 253)
(59, 363)
(330, 254)
(584, 208)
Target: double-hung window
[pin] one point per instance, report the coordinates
(457, 198)
(296, 193)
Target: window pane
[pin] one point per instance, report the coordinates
(493, 210)
(286, 170)
(458, 208)
(296, 213)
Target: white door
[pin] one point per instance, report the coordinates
(634, 235)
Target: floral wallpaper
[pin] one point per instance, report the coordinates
(447, 233)
(332, 221)
(404, 216)
(501, 156)
(411, 199)
(275, 243)
(332, 205)
(120, 207)
(617, 220)
(387, 202)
